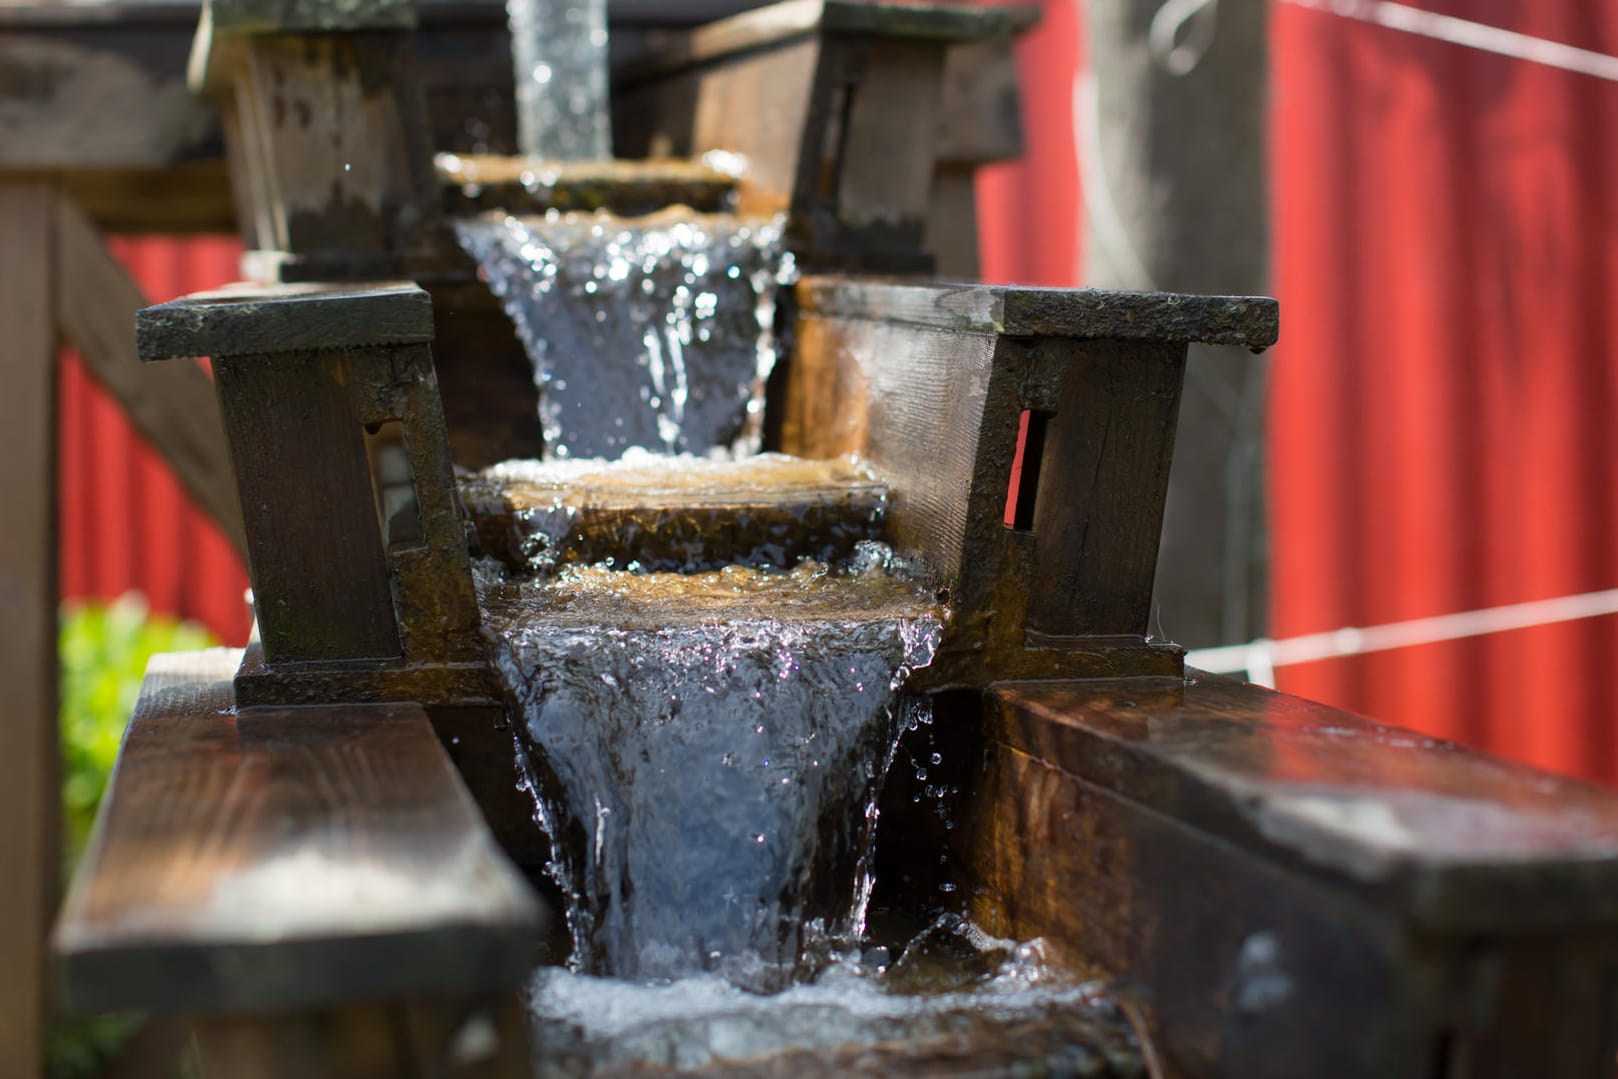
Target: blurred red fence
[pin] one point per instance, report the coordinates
(1441, 433)
(126, 523)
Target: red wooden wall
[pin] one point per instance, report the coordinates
(1441, 427)
(126, 524)
(1441, 433)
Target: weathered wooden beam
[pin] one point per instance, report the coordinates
(1174, 132)
(281, 859)
(1295, 890)
(172, 406)
(30, 840)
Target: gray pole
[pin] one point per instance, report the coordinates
(1171, 125)
(559, 56)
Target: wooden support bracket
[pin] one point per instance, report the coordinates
(356, 542)
(1027, 436)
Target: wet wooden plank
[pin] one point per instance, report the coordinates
(1451, 839)
(697, 516)
(173, 405)
(285, 858)
(1290, 890)
(29, 794)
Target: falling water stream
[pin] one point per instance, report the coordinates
(714, 743)
(706, 712)
(654, 332)
(559, 57)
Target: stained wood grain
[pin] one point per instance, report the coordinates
(285, 858)
(1291, 890)
(314, 546)
(929, 383)
(1452, 839)
(173, 405)
(1104, 473)
(30, 837)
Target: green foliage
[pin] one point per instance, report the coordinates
(104, 649)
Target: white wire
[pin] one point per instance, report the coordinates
(1261, 657)
(1110, 230)
(1197, 18)
(1472, 35)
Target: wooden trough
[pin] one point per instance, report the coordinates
(313, 851)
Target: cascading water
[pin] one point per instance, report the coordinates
(714, 744)
(707, 702)
(653, 332)
(559, 57)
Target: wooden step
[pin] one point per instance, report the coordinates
(677, 514)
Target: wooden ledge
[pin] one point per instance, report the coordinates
(252, 319)
(285, 858)
(675, 515)
(1438, 836)
(1079, 313)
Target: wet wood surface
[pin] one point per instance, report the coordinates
(285, 858)
(1079, 314)
(315, 553)
(769, 509)
(1452, 839)
(29, 793)
(1288, 890)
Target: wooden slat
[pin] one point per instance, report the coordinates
(285, 858)
(173, 405)
(1104, 473)
(268, 319)
(300, 463)
(30, 838)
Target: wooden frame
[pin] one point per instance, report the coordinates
(58, 282)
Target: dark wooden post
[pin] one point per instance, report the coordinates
(356, 543)
(29, 790)
(326, 132)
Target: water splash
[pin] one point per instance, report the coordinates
(956, 998)
(715, 744)
(653, 332)
(559, 56)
